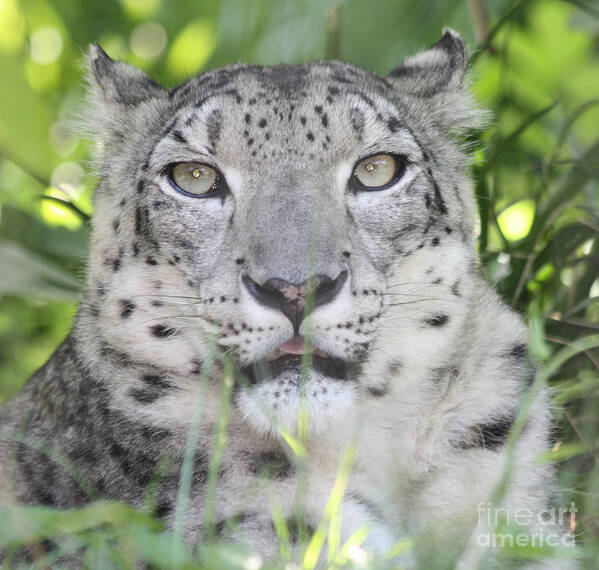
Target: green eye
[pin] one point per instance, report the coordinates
(194, 178)
(379, 171)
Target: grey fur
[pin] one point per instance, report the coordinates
(435, 379)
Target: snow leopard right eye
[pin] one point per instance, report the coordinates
(378, 172)
(193, 179)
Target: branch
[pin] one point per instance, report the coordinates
(480, 23)
(42, 181)
(68, 205)
(333, 38)
(482, 47)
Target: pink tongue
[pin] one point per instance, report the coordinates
(293, 346)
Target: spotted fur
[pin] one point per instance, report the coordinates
(426, 366)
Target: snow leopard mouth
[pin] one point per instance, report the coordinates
(294, 356)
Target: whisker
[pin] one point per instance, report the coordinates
(162, 318)
(165, 296)
(408, 283)
(414, 301)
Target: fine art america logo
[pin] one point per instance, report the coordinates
(550, 527)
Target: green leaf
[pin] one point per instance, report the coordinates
(27, 274)
(25, 525)
(30, 232)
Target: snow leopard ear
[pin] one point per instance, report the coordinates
(116, 82)
(119, 96)
(436, 77)
(441, 67)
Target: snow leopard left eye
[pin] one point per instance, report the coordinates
(377, 172)
(193, 179)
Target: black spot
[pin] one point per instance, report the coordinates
(163, 331)
(118, 453)
(151, 261)
(303, 120)
(138, 220)
(435, 241)
(140, 186)
(164, 508)
(178, 135)
(488, 435)
(519, 351)
(299, 529)
(529, 376)
(367, 504)
(196, 367)
(155, 433)
(157, 381)
(145, 396)
(142, 467)
(262, 123)
(200, 468)
(115, 225)
(379, 391)
(394, 367)
(271, 465)
(121, 359)
(127, 308)
(439, 202)
(357, 121)
(310, 136)
(393, 124)
(437, 320)
(324, 120)
(232, 522)
(455, 288)
(214, 127)
(445, 372)
(247, 118)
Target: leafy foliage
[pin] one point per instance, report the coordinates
(536, 171)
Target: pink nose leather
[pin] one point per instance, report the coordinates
(293, 346)
(296, 294)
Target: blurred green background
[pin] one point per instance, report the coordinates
(535, 65)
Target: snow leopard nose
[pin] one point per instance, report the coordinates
(295, 300)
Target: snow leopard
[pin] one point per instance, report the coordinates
(282, 291)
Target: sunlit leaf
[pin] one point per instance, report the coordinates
(191, 49)
(515, 221)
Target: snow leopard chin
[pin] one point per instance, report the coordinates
(278, 402)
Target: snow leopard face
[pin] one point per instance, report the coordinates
(313, 214)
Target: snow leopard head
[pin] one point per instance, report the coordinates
(313, 213)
